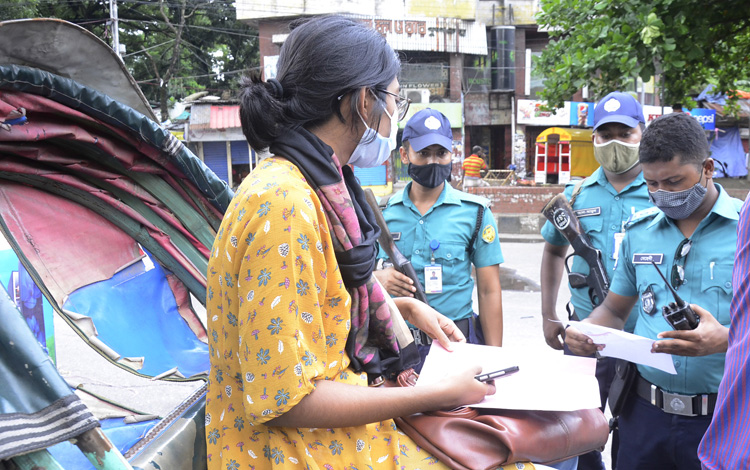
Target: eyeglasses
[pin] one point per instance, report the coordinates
(402, 104)
(678, 268)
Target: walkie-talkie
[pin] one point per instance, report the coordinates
(678, 313)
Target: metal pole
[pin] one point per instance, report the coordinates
(115, 26)
(100, 451)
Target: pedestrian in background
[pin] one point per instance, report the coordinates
(473, 166)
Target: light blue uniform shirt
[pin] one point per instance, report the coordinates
(451, 221)
(708, 272)
(602, 212)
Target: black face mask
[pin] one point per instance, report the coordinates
(431, 175)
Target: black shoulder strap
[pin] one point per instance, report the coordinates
(480, 214)
(383, 202)
(576, 191)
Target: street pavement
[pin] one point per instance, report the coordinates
(79, 364)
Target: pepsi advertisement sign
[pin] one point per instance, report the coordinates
(705, 117)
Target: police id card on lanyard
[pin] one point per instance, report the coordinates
(619, 237)
(433, 274)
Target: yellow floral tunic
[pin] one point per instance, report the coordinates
(278, 319)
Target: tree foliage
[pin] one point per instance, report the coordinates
(604, 44)
(14, 9)
(173, 47)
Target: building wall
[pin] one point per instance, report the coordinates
(488, 115)
(248, 10)
(517, 199)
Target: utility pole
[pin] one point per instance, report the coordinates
(115, 26)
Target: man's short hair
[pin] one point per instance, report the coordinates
(671, 135)
(476, 149)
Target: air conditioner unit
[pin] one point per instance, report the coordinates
(418, 95)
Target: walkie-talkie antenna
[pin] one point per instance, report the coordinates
(677, 299)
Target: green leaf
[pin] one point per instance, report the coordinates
(692, 41)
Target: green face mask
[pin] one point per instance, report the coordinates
(616, 156)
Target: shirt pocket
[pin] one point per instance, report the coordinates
(450, 254)
(716, 284)
(592, 223)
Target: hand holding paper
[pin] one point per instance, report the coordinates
(626, 346)
(545, 380)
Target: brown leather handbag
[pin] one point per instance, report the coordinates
(471, 439)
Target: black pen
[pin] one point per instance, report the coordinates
(496, 374)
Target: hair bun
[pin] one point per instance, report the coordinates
(277, 91)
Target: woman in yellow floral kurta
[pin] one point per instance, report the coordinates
(279, 324)
(293, 309)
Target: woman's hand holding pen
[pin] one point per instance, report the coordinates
(461, 388)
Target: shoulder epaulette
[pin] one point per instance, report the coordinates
(387, 201)
(475, 198)
(640, 216)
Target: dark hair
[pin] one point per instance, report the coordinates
(321, 61)
(671, 135)
(476, 149)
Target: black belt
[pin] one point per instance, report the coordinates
(674, 403)
(421, 338)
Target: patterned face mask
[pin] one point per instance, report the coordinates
(679, 205)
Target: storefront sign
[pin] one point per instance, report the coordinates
(581, 114)
(535, 113)
(705, 117)
(432, 34)
(653, 112)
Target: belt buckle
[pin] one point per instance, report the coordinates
(678, 404)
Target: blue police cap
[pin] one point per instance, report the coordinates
(428, 127)
(618, 107)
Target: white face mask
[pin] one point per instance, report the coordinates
(373, 149)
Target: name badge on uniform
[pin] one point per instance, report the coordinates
(648, 301)
(433, 279)
(587, 212)
(647, 258)
(396, 236)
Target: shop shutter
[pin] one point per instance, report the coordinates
(215, 157)
(371, 176)
(240, 152)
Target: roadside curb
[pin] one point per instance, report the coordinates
(519, 238)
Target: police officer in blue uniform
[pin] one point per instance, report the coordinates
(443, 232)
(692, 240)
(603, 203)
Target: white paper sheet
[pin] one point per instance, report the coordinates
(546, 380)
(623, 345)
